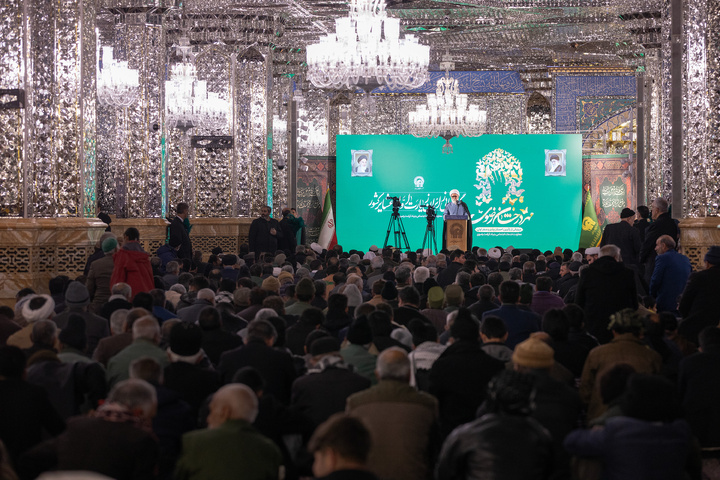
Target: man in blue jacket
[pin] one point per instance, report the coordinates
(670, 275)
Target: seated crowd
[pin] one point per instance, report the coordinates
(498, 363)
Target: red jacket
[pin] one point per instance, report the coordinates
(133, 267)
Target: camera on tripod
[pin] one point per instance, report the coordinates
(429, 212)
(396, 201)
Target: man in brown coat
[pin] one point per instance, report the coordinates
(402, 421)
(98, 280)
(625, 347)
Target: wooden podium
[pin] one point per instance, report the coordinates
(456, 232)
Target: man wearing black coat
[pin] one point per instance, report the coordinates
(275, 366)
(265, 233)
(606, 287)
(448, 274)
(624, 236)
(642, 223)
(700, 302)
(663, 224)
(328, 383)
(288, 241)
(699, 382)
(459, 377)
(25, 410)
(179, 235)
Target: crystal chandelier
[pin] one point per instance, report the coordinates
(117, 84)
(447, 114)
(367, 45)
(188, 104)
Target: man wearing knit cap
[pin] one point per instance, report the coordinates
(77, 299)
(285, 277)
(324, 390)
(700, 302)
(271, 285)
(35, 308)
(454, 298)
(435, 312)
(625, 236)
(98, 253)
(98, 279)
(557, 406)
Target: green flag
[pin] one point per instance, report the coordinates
(590, 235)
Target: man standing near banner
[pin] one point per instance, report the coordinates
(455, 208)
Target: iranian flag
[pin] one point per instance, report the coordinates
(328, 237)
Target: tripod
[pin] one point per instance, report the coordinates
(398, 229)
(430, 232)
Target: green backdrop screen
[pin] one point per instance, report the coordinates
(522, 190)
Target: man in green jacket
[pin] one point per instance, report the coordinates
(230, 447)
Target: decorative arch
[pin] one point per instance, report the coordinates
(609, 123)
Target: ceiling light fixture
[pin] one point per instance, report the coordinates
(366, 51)
(447, 113)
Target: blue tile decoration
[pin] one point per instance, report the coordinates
(594, 111)
(569, 88)
(470, 82)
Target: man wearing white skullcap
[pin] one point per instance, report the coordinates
(454, 208)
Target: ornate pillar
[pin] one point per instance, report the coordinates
(47, 156)
(250, 105)
(12, 132)
(702, 109)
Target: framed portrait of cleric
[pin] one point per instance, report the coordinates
(361, 163)
(555, 163)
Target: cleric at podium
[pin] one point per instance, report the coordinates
(456, 209)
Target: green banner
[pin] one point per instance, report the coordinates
(521, 190)
(591, 233)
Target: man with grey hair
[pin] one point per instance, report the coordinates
(205, 298)
(420, 275)
(663, 224)
(115, 440)
(230, 447)
(671, 273)
(402, 277)
(120, 295)
(146, 336)
(402, 421)
(77, 300)
(375, 272)
(605, 287)
(172, 270)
